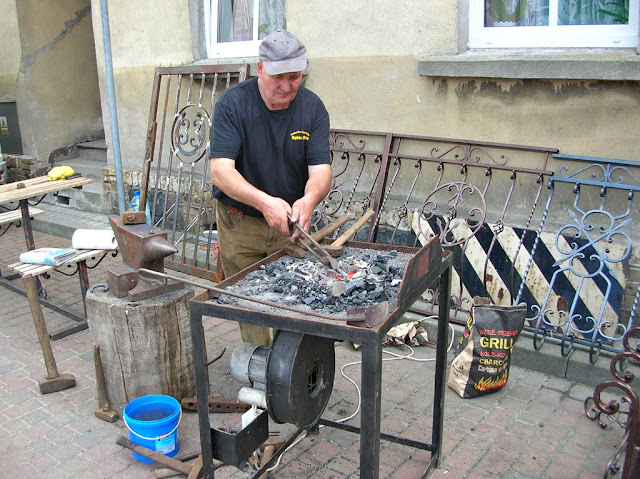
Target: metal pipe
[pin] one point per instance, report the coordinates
(148, 272)
(111, 95)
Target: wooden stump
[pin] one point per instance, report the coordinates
(145, 345)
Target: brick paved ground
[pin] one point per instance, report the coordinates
(535, 427)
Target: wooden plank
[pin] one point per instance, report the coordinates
(23, 184)
(38, 186)
(27, 269)
(16, 215)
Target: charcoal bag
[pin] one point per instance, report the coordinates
(482, 365)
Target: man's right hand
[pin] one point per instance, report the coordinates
(275, 210)
(276, 213)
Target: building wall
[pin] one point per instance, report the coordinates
(55, 85)
(143, 35)
(10, 50)
(364, 64)
(365, 67)
(593, 118)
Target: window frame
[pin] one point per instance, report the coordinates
(553, 36)
(215, 49)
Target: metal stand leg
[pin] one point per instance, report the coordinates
(371, 378)
(441, 363)
(202, 393)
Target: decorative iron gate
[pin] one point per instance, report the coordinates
(175, 174)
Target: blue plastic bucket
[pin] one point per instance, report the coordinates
(153, 422)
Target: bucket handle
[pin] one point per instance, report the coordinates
(153, 438)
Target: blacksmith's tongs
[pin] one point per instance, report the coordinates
(318, 251)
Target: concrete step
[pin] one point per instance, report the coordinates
(87, 168)
(91, 198)
(93, 151)
(91, 160)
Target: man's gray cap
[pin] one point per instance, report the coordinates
(282, 52)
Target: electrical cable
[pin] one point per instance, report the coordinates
(302, 435)
(396, 357)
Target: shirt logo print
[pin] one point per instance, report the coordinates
(300, 135)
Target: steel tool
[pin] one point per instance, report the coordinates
(191, 470)
(318, 251)
(53, 381)
(298, 251)
(104, 410)
(142, 246)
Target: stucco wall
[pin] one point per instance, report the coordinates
(56, 89)
(10, 53)
(335, 28)
(143, 35)
(364, 64)
(387, 94)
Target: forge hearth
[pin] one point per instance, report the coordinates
(369, 284)
(372, 277)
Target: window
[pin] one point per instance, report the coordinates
(553, 23)
(230, 27)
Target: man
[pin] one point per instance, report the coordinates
(269, 160)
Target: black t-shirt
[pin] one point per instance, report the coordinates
(272, 149)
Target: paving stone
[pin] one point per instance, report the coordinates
(534, 427)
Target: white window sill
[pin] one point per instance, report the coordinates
(620, 65)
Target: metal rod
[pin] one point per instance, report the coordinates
(325, 258)
(148, 272)
(111, 94)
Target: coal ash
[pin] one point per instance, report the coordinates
(373, 276)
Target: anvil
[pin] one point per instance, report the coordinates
(142, 246)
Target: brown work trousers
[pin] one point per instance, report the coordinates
(242, 241)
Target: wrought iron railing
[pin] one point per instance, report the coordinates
(583, 299)
(498, 207)
(475, 195)
(624, 412)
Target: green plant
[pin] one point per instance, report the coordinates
(620, 11)
(593, 12)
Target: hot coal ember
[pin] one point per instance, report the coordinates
(371, 277)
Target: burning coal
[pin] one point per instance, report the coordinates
(371, 277)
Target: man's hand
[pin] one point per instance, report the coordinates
(275, 210)
(315, 190)
(276, 213)
(302, 212)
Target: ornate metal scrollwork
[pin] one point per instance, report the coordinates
(628, 418)
(458, 211)
(190, 133)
